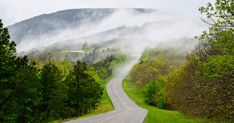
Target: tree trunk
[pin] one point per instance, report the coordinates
(21, 117)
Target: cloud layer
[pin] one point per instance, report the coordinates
(134, 31)
(16, 10)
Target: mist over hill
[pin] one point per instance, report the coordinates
(131, 28)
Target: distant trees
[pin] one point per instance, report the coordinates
(105, 67)
(42, 94)
(86, 47)
(204, 85)
(150, 74)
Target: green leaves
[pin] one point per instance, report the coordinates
(204, 86)
(216, 66)
(220, 16)
(28, 94)
(151, 89)
(53, 93)
(84, 91)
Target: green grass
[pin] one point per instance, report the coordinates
(105, 103)
(156, 115)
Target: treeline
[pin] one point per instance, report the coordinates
(105, 67)
(151, 73)
(35, 91)
(202, 85)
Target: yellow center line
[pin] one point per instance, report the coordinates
(125, 105)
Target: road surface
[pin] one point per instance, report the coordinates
(126, 111)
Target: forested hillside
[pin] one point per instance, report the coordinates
(200, 83)
(42, 90)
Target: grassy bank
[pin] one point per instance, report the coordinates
(156, 115)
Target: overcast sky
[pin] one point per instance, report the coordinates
(12, 11)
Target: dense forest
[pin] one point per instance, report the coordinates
(43, 89)
(199, 83)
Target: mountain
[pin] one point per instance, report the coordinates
(59, 20)
(136, 27)
(47, 23)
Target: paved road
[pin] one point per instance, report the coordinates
(126, 111)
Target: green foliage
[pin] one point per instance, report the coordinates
(18, 84)
(157, 53)
(54, 93)
(42, 91)
(25, 95)
(151, 89)
(105, 67)
(161, 99)
(141, 74)
(220, 15)
(204, 85)
(155, 63)
(151, 73)
(84, 92)
(154, 93)
(154, 114)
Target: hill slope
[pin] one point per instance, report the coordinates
(138, 27)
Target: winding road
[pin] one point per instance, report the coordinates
(126, 111)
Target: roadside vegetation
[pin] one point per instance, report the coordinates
(198, 84)
(155, 115)
(46, 89)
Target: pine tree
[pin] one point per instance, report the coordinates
(84, 91)
(53, 92)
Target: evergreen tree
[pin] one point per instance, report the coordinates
(19, 95)
(7, 67)
(53, 92)
(84, 91)
(26, 95)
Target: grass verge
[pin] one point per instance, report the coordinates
(156, 115)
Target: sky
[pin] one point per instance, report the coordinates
(12, 11)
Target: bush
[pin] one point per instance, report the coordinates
(154, 93)
(151, 89)
(161, 100)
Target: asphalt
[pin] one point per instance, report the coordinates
(126, 111)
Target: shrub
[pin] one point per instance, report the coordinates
(151, 89)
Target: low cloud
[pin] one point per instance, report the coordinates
(134, 30)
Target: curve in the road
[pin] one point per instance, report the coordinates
(126, 111)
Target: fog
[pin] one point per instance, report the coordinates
(134, 31)
(13, 11)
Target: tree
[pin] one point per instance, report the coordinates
(151, 89)
(23, 96)
(53, 92)
(86, 47)
(204, 85)
(220, 16)
(7, 63)
(26, 96)
(84, 91)
(16, 82)
(19, 95)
